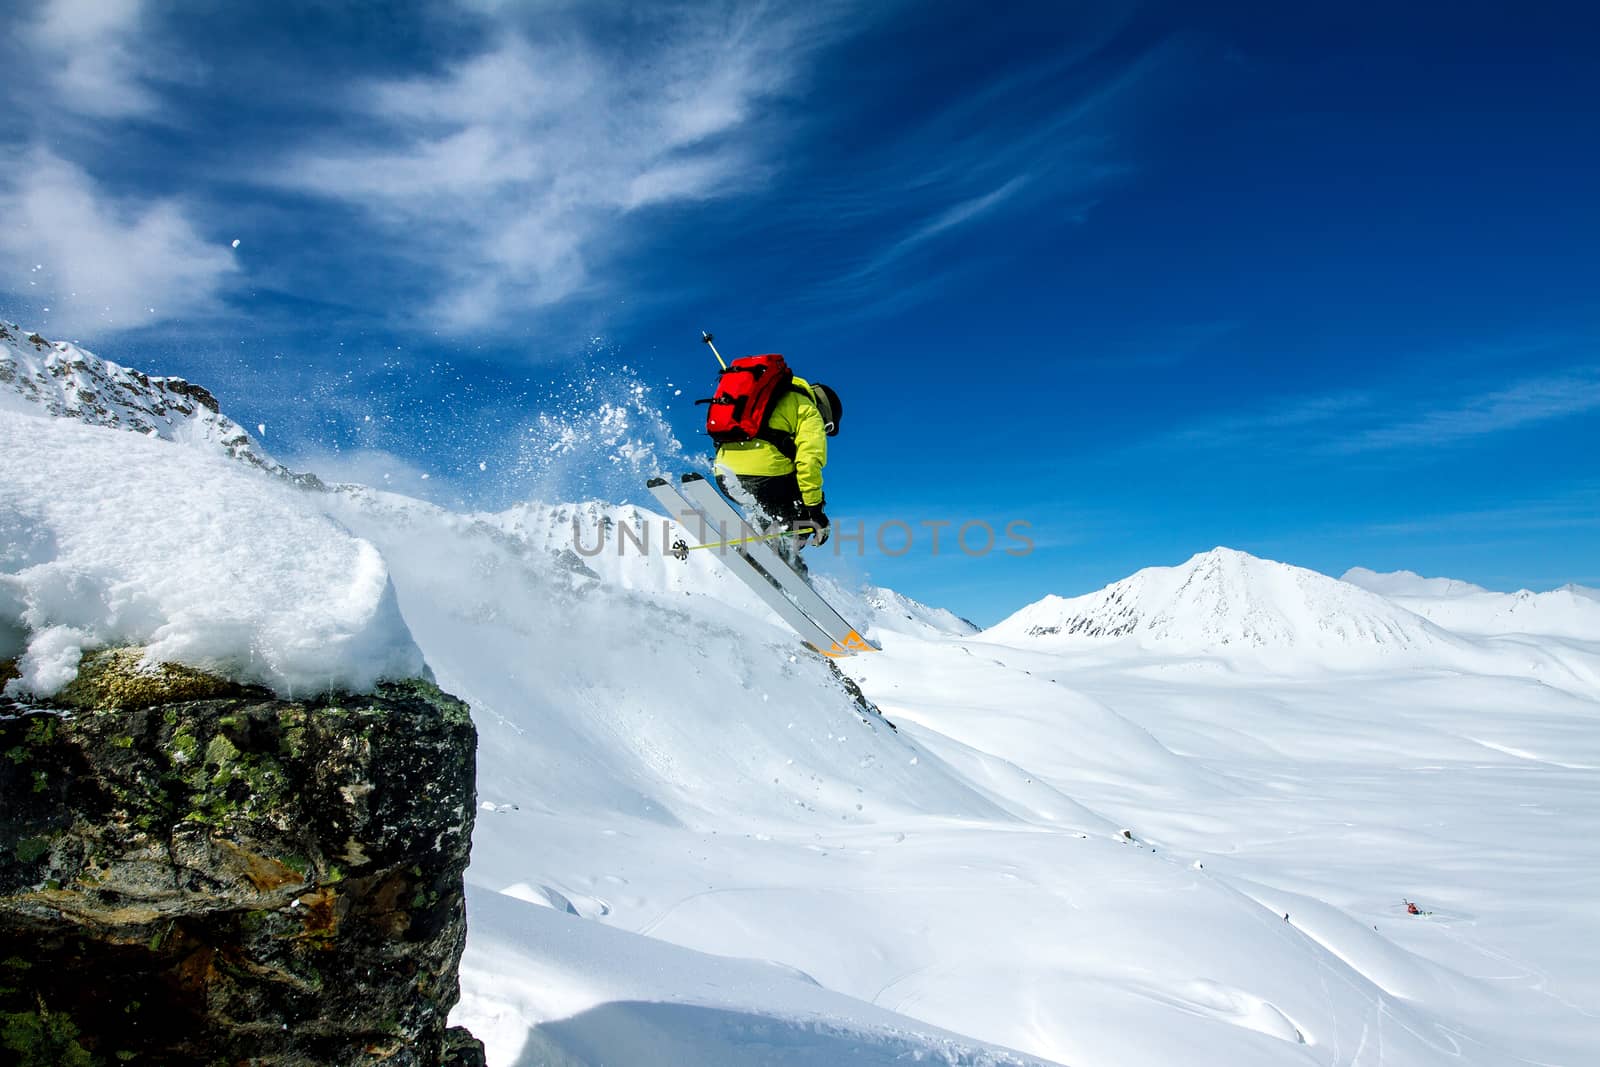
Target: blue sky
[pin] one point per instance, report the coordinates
(1314, 282)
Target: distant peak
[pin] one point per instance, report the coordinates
(1408, 584)
(1235, 556)
(1225, 599)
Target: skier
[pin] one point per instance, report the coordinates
(777, 472)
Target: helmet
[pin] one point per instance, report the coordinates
(829, 405)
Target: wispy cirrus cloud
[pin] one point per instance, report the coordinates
(1577, 507)
(1289, 416)
(943, 219)
(1353, 422)
(1041, 137)
(553, 157)
(515, 170)
(1520, 404)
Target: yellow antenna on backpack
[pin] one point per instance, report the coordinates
(706, 337)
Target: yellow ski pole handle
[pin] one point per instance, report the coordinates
(681, 548)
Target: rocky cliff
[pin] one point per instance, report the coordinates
(68, 382)
(194, 872)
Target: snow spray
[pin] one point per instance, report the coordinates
(596, 435)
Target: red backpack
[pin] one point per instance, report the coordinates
(745, 394)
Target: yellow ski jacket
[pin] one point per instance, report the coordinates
(794, 413)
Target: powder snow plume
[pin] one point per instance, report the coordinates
(596, 435)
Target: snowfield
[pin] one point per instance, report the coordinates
(1177, 821)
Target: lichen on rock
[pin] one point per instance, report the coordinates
(119, 678)
(195, 872)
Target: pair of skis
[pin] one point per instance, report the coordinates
(708, 517)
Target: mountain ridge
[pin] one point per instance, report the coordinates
(1407, 583)
(69, 382)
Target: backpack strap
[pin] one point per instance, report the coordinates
(784, 442)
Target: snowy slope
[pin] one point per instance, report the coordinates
(598, 994)
(630, 547)
(885, 609)
(1330, 800)
(656, 760)
(697, 846)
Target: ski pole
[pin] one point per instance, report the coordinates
(680, 548)
(706, 338)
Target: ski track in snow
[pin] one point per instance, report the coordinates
(1522, 754)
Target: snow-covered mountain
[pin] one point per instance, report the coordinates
(1572, 611)
(696, 846)
(896, 611)
(1225, 601)
(72, 383)
(1408, 584)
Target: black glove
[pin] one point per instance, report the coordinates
(812, 515)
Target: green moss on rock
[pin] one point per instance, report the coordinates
(281, 878)
(185, 746)
(31, 848)
(42, 1039)
(119, 678)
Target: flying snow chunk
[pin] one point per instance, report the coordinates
(261, 428)
(236, 242)
(483, 466)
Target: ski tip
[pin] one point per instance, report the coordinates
(692, 477)
(853, 642)
(655, 483)
(856, 643)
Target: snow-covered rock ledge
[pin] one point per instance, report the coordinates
(234, 810)
(115, 539)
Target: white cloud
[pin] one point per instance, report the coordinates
(103, 264)
(91, 54)
(514, 171)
